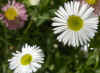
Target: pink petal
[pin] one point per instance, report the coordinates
(1, 16)
(16, 24)
(5, 8)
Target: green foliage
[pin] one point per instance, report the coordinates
(38, 30)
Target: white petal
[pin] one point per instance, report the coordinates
(88, 13)
(83, 9)
(58, 24)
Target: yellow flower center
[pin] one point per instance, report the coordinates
(26, 59)
(75, 23)
(11, 13)
(91, 2)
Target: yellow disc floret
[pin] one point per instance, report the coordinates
(91, 2)
(11, 13)
(75, 23)
(26, 59)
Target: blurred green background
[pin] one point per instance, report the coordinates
(38, 30)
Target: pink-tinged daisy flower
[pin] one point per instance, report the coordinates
(14, 15)
(94, 3)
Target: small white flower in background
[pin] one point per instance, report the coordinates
(76, 23)
(91, 48)
(55, 45)
(85, 48)
(34, 2)
(28, 60)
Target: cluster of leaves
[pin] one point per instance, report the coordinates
(38, 30)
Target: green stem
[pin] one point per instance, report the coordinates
(25, 31)
(29, 25)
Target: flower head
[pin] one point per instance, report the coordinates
(76, 23)
(28, 60)
(94, 3)
(14, 15)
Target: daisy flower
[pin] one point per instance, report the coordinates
(14, 15)
(28, 60)
(75, 24)
(94, 3)
(34, 2)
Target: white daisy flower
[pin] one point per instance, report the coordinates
(76, 23)
(28, 60)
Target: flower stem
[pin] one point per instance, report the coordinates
(29, 25)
